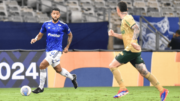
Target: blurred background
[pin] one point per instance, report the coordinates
(162, 14)
(92, 49)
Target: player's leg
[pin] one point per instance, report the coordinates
(63, 71)
(44, 64)
(145, 73)
(113, 67)
(138, 63)
(120, 59)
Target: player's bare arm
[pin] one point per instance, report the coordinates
(135, 36)
(70, 36)
(38, 37)
(111, 33)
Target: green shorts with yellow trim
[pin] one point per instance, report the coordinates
(128, 56)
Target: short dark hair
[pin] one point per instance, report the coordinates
(178, 32)
(122, 6)
(55, 9)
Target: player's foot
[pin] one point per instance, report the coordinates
(38, 90)
(74, 81)
(164, 94)
(121, 93)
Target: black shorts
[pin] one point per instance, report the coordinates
(128, 56)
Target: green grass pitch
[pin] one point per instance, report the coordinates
(89, 94)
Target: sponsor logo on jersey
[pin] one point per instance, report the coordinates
(49, 27)
(49, 24)
(59, 25)
(53, 35)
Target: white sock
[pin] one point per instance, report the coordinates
(65, 73)
(42, 78)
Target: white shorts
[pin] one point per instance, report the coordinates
(53, 57)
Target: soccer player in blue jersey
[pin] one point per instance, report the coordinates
(54, 29)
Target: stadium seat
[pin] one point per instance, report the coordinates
(88, 10)
(75, 8)
(30, 19)
(15, 13)
(61, 2)
(76, 16)
(91, 18)
(46, 5)
(177, 14)
(153, 9)
(16, 19)
(111, 4)
(166, 3)
(169, 14)
(154, 14)
(61, 7)
(176, 4)
(140, 4)
(177, 9)
(117, 21)
(91, 7)
(31, 3)
(131, 10)
(42, 17)
(115, 16)
(139, 1)
(99, 3)
(13, 6)
(3, 6)
(3, 11)
(28, 12)
(73, 3)
(140, 8)
(153, 4)
(42, 20)
(100, 14)
(11, 2)
(84, 3)
(152, 1)
(167, 9)
(3, 14)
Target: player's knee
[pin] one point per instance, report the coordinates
(41, 66)
(144, 73)
(112, 66)
(58, 70)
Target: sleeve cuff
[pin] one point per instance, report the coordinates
(133, 25)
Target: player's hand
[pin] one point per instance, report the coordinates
(33, 41)
(136, 46)
(111, 32)
(65, 50)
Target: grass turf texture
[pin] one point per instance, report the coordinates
(89, 94)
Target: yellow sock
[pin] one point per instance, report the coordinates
(154, 82)
(118, 78)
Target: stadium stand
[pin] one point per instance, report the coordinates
(84, 10)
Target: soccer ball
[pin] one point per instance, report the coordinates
(25, 90)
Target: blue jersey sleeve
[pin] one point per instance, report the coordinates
(43, 28)
(67, 29)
